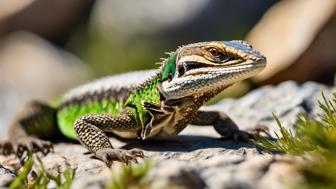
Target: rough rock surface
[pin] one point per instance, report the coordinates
(197, 158)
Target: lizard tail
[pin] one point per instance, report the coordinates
(36, 119)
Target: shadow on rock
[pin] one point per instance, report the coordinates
(185, 143)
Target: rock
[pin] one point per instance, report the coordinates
(285, 101)
(58, 20)
(6, 176)
(198, 158)
(92, 181)
(280, 169)
(244, 173)
(297, 37)
(174, 174)
(8, 8)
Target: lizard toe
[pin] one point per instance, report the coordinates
(238, 135)
(137, 153)
(42, 146)
(6, 148)
(261, 129)
(29, 144)
(108, 155)
(21, 151)
(258, 130)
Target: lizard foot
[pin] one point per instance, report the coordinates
(259, 129)
(108, 155)
(238, 135)
(247, 136)
(23, 146)
(31, 144)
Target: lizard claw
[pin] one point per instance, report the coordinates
(247, 136)
(137, 152)
(108, 155)
(238, 135)
(259, 129)
(6, 148)
(23, 146)
(30, 144)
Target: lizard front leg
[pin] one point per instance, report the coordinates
(222, 124)
(90, 132)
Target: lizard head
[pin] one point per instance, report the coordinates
(202, 67)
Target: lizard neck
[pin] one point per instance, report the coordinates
(203, 98)
(147, 92)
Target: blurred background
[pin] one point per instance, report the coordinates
(47, 47)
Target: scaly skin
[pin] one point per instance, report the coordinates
(161, 106)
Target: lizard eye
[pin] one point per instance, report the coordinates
(214, 52)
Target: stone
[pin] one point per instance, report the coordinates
(297, 37)
(198, 158)
(6, 176)
(55, 24)
(285, 100)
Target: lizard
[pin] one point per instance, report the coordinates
(140, 105)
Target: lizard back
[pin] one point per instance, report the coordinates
(105, 95)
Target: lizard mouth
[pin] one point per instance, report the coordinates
(186, 69)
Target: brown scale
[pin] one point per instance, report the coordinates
(190, 112)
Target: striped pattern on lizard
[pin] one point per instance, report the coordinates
(140, 105)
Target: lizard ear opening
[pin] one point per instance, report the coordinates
(170, 68)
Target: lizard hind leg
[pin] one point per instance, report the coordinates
(35, 120)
